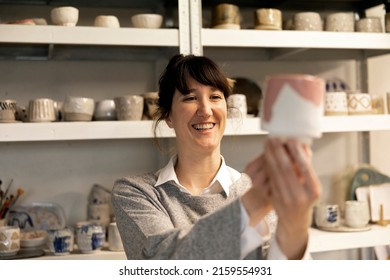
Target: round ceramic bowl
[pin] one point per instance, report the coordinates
(9, 240)
(65, 16)
(33, 239)
(147, 20)
(106, 21)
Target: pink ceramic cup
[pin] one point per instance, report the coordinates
(293, 106)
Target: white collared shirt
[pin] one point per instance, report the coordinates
(251, 237)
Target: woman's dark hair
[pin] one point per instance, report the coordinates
(177, 75)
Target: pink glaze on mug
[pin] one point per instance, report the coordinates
(310, 91)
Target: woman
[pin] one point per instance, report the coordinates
(197, 207)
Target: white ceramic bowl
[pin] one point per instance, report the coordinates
(147, 20)
(65, 16)
(33, 239)
(107, 21)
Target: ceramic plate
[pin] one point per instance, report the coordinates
(344, 229)
(37, 216)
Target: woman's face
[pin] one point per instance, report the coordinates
(198, 118)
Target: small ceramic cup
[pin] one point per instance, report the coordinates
(327, 215)
(104, 110)
(226, 16)
(9, 240)
(129, 107)
(336, 103)
(369, 24)
(90, 237)
(78, 108)
(377, 104)
(296, 100)
(106, 21)
(60, 241)
(114, 238)
(359, 104)
(308, 21)
(41, 110)
(65, 16)
(356, 213)
(340, 22)
(268, 19)
(21, 113)
(237, 106)
(7, 110)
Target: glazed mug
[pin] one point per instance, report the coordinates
(327, 215)
(226, 16)
(90, 237)
(60, 241)
(356, 213)
(293, 106)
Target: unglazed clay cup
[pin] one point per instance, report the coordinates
(293, 106)
(65, 16)
(340, 22)
(41, 110)
(226, 16)
(78, 108)
(129, 107)
(106, 21)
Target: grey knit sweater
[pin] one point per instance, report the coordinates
(165, 223)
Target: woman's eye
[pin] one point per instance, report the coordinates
(216, 97)
(189, 98)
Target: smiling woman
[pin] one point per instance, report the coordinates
(197, 207)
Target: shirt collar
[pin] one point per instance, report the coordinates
(225, 177)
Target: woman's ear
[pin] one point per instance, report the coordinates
(169, 122)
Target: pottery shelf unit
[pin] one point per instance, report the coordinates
(96, 130)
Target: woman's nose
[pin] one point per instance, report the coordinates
(204, 108)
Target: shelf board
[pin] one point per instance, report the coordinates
(290, 39)
(322, 241)
(88, 35)
(96, 130)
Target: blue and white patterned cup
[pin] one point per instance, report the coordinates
(60, 241)
(90, 237)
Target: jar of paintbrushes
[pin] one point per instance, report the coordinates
(8, 199)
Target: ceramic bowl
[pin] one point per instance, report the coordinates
(147, 20)
(78, 108)
(340, 22)
(33, 239)
(369, 24)
(9, 240)
(106, 21)
(65, 16)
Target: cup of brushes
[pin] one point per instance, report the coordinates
(7, 200)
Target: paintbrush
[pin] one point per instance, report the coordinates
(6, 191)
(19, 192)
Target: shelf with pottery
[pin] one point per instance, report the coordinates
(88, 35)
(99, 255)
(95, 130)
(322, 241)
(285, 43)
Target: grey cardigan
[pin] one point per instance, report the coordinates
(164, 222)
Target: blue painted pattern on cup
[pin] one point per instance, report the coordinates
(90, 237)
(60, 241)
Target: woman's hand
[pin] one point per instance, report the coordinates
(257, 199)
(294, 188)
